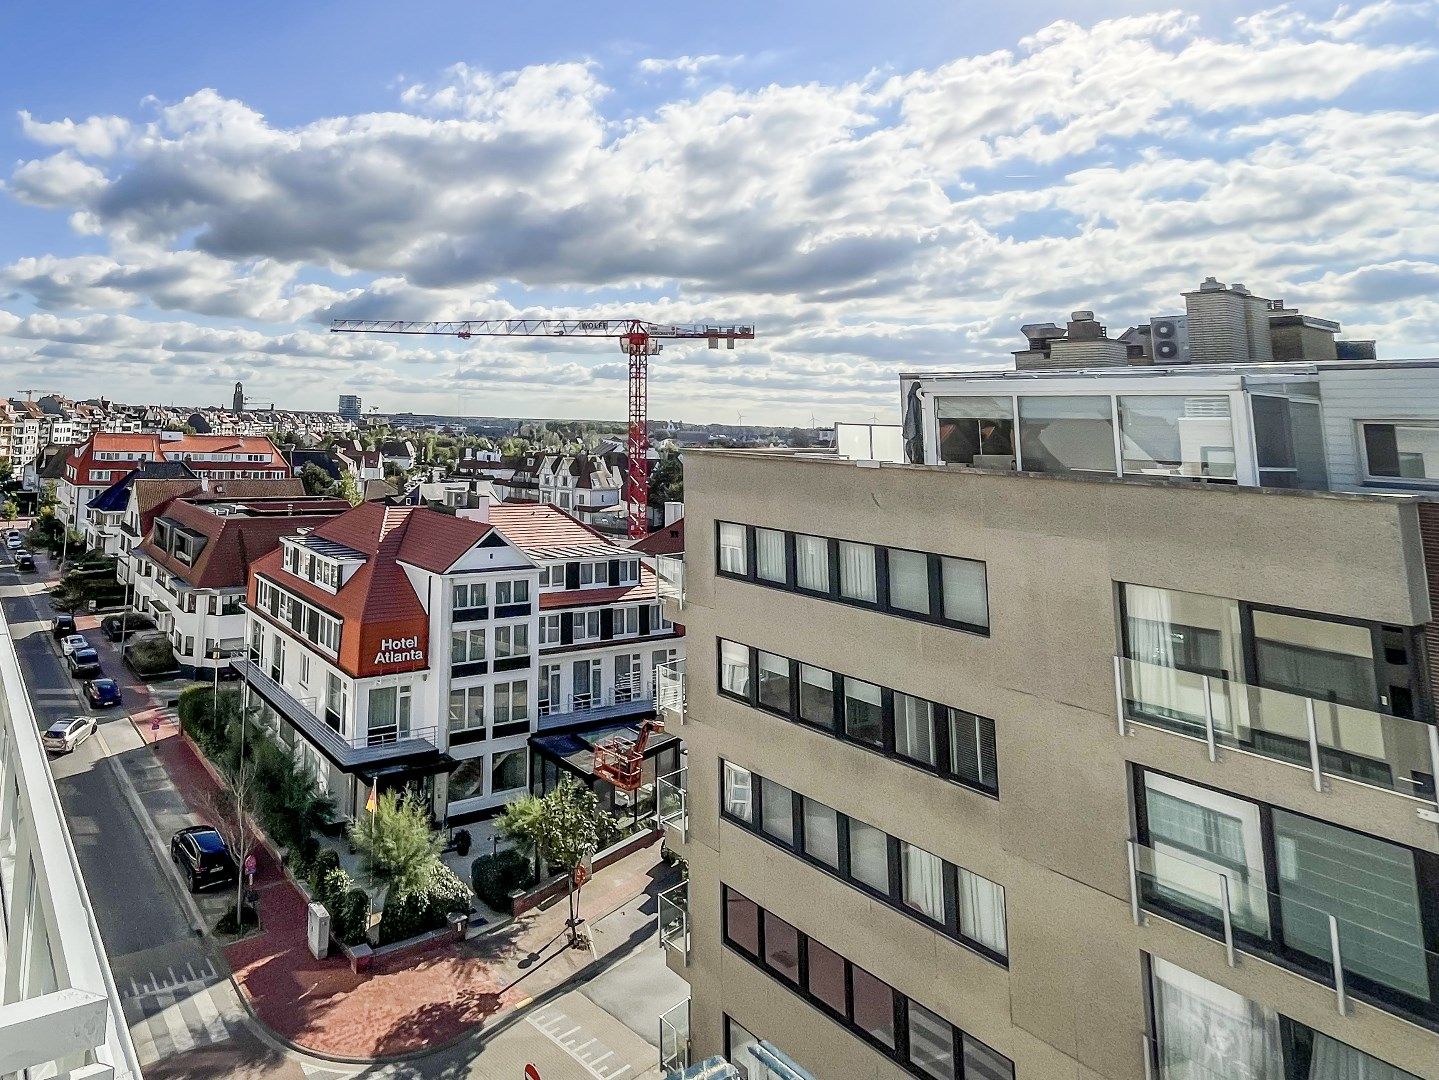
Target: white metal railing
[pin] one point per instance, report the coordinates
(670, 688)
(60, 1014)
(674, 919)
(670, 570)
(671, 801)
(1326, 738)
(675, 1037)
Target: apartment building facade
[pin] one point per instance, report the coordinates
(1059, 763)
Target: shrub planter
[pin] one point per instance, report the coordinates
(522, 901)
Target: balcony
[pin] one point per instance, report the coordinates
(670, 690)
(675, 1038)
(1324, 737)
(60, 1014)
(671, 801)
(670, 570)
(627, 697)
(1339, 946)
(674, 920)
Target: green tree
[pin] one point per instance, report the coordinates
(49, 498)
(396, 844)
(9, 510)
(350, 489)
(316, 480)
(519, 823)
(667, 480)
(568, 830)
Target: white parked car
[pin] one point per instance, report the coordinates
(63, 736)
(74, 641)
(14, 540)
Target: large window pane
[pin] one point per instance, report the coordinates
(972, 755)
(869, 856)
(738, 799)
(856, 572)
(781, 948)
(1205, 1030)
(909, 580)
(1368, 885)
(778, 812)
(811, 563)
(734, 668)
(774, 682)
(821, 833)
(981, 911)
(863, 712)
(826, 975)
(1402, 451)
(732, 558)
(1165, 629)
(1177, 435)
(816, 696)
(971, 427)
(742, 922)
(873, 1006)
(966, 591)
(983, 1063)
(931, 1043)
(922, 881)
(1316, 658)
(769, 555)
(914, 729)
(1066, 434)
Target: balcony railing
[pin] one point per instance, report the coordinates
(624, 692)
(675, 1037)
(674, 919)
(1325, 737)
(60, 1014)
(1340, 944)
(670, 689)
(670, 570)
(671, 801)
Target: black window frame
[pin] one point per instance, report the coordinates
(882, 604)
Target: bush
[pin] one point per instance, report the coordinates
(249, 920)
(347, 917)
(424, 910)
(326, 861)
(496, 876)
(150, 656)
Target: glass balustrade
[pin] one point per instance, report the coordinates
(675, 1037)
(674, 918)
(671, 800)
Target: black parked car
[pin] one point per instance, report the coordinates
(202, 856)
(85, 664)
(62, 626)
(24, 560)
(116, 629)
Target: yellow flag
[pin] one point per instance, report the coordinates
(373, 802)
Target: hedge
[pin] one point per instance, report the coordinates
(496, 876)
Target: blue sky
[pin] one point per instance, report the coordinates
(191, 190)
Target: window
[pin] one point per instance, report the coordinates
(626, 621)
(856, 572)
(1177, 435)
(658, 623)
(1401, 450)
(914, 729)
(304, 669)
(972, 750)
(777, 803)
(982, 1063)
(826, 975)
(512, 704)
(734, 669)
(389, 711)
(769, 555)
(594, 573)
(1066, 434)
(863, 712)
(981, 912)
(869, 856)
(552, 576)
(468, 596)
(931, 1043)
(741, 922)
(468, 780)
(585, 625)
(811, 563)
(629, 572)
(512, 592)
(975, 427)
(507, 770)
(816, 696)
(467, 646)
(550, 629)
(732, 555)
(336, 701)
(737, 793)
(774, 682)
(512, 640)
(467, 709)
(909, 580)
(781, 948)
(965, 591)
(873, 1006)
(821, 833)
(922, 881)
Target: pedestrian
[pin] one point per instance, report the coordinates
(250, 865)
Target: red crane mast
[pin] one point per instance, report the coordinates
(638, 339)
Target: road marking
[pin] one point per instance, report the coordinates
(589, 1062)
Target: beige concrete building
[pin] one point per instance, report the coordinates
(1059, 774)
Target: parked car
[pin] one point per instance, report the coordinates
(69, 644)
(62, 626)
(63, 736)
(118, 628)
(102, 693)
(84, 663)
(24, 560)
(14, 540)
(202, 856)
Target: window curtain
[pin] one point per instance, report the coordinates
(981, 911)
(812, 563)
(966, 591)
(1335, 1060)
(1206, 1032)
(914, 728)
(769, 554)
(731, 552)
(856, 572)
(923, 881)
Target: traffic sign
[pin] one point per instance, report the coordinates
(532, 1073)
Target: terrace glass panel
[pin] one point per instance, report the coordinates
(1066, 434)
(1173, 435)
(971, 427)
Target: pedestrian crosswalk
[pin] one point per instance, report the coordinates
(598, 1059)
(176, 1010)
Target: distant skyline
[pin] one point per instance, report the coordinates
(191, 192)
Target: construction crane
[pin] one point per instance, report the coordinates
(620, 759)
(639, 340)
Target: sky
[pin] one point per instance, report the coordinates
(190, 191)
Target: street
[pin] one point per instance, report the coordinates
(185, 1015)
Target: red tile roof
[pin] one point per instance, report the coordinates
(82, 458)
(646, 590)
(152, 496)
(666, 540)
(537, 527)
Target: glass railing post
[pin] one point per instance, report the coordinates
(1149, 1056)
(1228, 921)
(1209, 720)
(1314, 762)
(1119, 694)
(1132, 847)
(1341, 996)
(1434, 759)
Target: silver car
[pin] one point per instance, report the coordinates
(63, 736)
(73, 642)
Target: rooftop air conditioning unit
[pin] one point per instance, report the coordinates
(1169, 337)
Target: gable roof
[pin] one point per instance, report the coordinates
(666, 540)
(549, 532)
